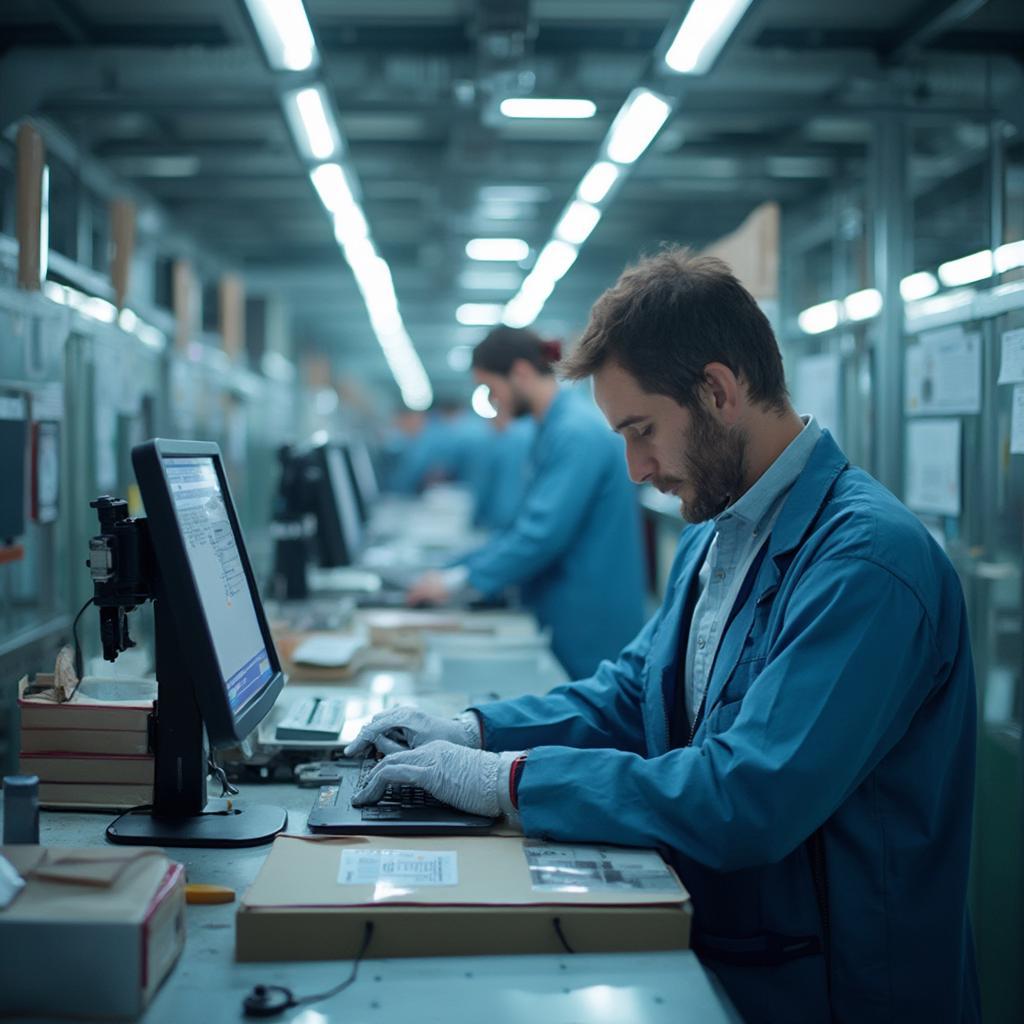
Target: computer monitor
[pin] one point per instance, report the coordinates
(339, 526)
(217, 668)
(364, 477)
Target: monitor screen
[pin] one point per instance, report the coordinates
(357, 456)
(339, 527)
(213, 554)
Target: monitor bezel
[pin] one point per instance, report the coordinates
(179, 589)
(334, 546)
(364, 476)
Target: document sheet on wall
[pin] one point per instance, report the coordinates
(933, 466)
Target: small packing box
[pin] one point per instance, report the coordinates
(473, 895)
(91, 933)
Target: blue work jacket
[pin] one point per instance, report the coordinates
(575, 547)
(502, 481)
(820, 812)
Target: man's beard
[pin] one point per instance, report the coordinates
(519, 405)
(714, 466)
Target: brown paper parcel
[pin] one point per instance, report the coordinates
(297, 910)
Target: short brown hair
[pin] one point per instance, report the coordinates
(505, 345)
(670, 315)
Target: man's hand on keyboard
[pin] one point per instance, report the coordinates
(404, 728)
(475, 781)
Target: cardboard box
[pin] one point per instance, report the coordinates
(481, 895)
(92, 934)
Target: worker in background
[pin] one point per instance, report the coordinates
(797, 722)
(441, 446)
(501, 482)
(574, 549)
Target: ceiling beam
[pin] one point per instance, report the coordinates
(928, 23)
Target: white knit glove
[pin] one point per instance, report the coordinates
(475, 781)
(404, 728)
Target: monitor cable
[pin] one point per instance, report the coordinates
(78, 648)
(270, 1000)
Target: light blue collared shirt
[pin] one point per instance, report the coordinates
(741, 531)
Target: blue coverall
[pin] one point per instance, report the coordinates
(574, 548)
(820, 811)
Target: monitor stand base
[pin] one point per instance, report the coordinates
(222, 823)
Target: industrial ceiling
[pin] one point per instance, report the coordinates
(178, 99)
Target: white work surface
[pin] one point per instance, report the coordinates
(207, 985)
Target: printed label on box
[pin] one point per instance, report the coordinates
(398, 867)
(597, 869)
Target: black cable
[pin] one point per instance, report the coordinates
(78, 649)
(557, 922)
(270, 1000)
(367, 936)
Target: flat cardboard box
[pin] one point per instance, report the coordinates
(92, 934)
(297, 909)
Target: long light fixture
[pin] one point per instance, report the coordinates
(820, 318)
(316, 132)
(703, 33)
(497, 249)
(332, 186)
(976, 267)
(287, 40)
(578, 221)
(478, 314)
(636, 125)
(1008, 257)
(284, 33)
(594, 185)
(863, 305)
(918, 286)
(547, 108)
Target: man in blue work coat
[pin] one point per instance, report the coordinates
(795, 727)
(574, 548)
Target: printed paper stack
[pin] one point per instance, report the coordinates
(91, 752)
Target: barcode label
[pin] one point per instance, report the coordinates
(398, 868)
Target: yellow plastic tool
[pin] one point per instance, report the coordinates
(198, 893)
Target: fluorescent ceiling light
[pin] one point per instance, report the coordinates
(635, 125)
(706, 27)
(596, 182)
(918, 286)
(522, 310)
(820, 318)
(1009, 256)
(316, 134)
(284, 31)
(968, 269)
(863, 305)
(554, 260)
(577, 222)
(350, 225)
(332, 186)
(481, 403)
(510, 249)
(575, 109)
(478, 314)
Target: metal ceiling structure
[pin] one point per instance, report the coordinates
(178, 100)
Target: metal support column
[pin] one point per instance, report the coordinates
(890, 231)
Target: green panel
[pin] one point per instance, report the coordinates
(998, 890)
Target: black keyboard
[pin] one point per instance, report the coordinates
(403, 795)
